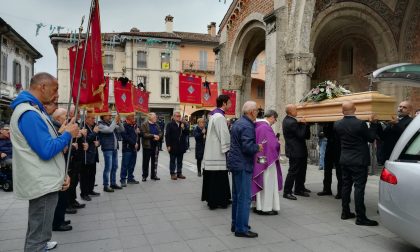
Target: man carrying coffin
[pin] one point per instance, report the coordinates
(267, 178)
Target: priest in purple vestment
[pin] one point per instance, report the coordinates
(267, 178)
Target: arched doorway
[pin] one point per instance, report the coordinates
(249, 43)
(348, 47)
(202, 113)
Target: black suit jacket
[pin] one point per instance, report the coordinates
(390, 136)
(175, 137)
(295, 135)
(354, 136)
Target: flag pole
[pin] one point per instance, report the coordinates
(74, 72)
(76, 109)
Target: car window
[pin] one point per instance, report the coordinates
(411, 151)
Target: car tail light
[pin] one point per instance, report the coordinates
(388, 177)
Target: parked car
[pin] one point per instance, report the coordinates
(399, 186)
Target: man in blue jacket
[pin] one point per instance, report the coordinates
(5, 145)
(130, 146)
(243, 148)
(38, 161)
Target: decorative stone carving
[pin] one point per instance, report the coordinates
(300, 63)
(393, 17)
(270, 21)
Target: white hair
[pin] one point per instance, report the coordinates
(150, 115)
(248, 107)
(176, 112)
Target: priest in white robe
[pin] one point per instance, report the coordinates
(267, 178)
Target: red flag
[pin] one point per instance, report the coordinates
(209, 95)
(189, 89)
(93, 72)
(123, 94)
(104, 108)
(232, 96)
(141, 100)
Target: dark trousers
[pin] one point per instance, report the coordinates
(356, 175)
(128, 163)
(86, 177)
(175, 163)
(296, 175)
(199, 161)
(329, 165)
(150, 156)
(60, 209)
(91, 177)
(74, 173)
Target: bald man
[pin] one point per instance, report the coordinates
(393, 130)
(38, 161)
(295, 134)
(354, 136)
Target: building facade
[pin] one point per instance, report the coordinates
(17, 59)
(152, 60)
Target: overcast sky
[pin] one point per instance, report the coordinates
(116, 15)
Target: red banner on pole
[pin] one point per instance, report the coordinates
(232, 96)
(209, 94)
(141, 100)
(123, 94)
(189, 89)
(92, 83)
(104, 108)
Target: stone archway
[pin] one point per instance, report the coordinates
(357, 27)
(247, 45)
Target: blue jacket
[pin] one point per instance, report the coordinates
(129, 138)
(6, 147)
(108, 135)
(36, 131)
(242, 145)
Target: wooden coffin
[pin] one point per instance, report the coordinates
(367, 103)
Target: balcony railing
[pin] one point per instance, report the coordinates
(197, 66)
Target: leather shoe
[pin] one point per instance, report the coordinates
(108, 189)
(71, 210)
(94, 194)
(366, 222)
(117, 187)
(248, 234)
(155, 178)
(77, 205)
(86, 197)
(232, 228)
(173, 177)
(289, 196)
(144, 179)
(67, 222)
(133, 181)
(180, 176)
(346, 216)
(303, 194)
(338, 196)
(123, 184)
(63, 228)
(307, 190)
(324, 193)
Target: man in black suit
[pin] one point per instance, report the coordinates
(354, 136)
(393, 130)
(295, 134)
(176, 132)
(331, 161)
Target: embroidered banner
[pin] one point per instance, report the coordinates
(232, 96)
(209, 94)
(189, 89)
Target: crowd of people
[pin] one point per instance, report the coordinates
(48, 166)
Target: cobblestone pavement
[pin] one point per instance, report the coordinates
(168, 215)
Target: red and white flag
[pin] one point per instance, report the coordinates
(123, 94)
(141, 100)
(190, 89)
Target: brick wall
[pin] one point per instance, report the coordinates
(414, 57)
(364, 61)
(250, 6)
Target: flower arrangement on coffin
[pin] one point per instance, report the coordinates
(325, 90)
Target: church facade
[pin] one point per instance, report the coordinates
(307, 42)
